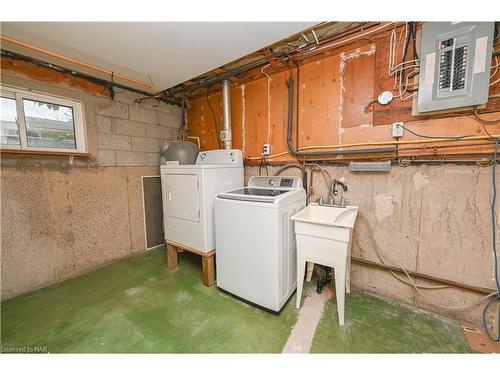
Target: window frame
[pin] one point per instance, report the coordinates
(19, 94)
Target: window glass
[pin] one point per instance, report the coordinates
(49, 125)
(9, 130)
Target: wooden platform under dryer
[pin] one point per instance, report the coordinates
(207, 260)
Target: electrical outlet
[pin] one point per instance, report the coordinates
(397, 129)
(266, 150)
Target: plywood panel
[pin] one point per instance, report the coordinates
(256, 116)
(319, 101)
(357, 69)
(201, 121)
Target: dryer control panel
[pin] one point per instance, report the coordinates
(231, 156)
(273, 182)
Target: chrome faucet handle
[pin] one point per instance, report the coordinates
(342, 201)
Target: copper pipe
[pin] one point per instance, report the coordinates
(387, 143)
(197, 140)
(400, 149)
(405, 156)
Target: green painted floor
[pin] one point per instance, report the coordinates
(379, 325)
(137, 305)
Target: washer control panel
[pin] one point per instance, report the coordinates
(281, 182)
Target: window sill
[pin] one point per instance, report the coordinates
(40, 152)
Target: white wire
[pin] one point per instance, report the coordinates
(399, 67)
(495, 82)
(496, 68)
(401, 93)
(495, 72)
(404, 41)
(397, 70)
(392, 44)
(409, 96)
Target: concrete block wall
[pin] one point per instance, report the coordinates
(130, 135)
(60, 219)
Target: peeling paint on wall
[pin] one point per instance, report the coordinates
(383, 206)
(420, 181)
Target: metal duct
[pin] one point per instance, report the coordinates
(226, 112)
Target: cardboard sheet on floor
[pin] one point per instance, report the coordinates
(477, 339)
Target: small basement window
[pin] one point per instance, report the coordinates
(35, 122)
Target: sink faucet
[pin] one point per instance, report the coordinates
(334, 190)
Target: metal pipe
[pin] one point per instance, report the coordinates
(409, 142)
(226, 111)
(478, 289)
(296, 152)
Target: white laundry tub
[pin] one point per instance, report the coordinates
(324, 235)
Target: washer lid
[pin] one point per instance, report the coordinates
(253, 194)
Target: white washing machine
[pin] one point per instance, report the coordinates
(188, 193)
(256, 251)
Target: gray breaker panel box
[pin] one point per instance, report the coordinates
(455, 61)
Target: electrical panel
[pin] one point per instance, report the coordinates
(455, 60)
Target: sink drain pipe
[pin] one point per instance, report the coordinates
(296, 152)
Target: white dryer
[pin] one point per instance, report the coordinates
(188, 193)
(256, 251)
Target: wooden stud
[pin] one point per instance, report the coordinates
(171, 257)
(208, 263)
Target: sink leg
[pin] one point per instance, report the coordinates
(348, 267)
(310, 268)
(348, 275)
(340, 286)
(301, 265)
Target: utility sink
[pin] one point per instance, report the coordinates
(324, 236)
(328, 215)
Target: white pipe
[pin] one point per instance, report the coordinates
(226, 111)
